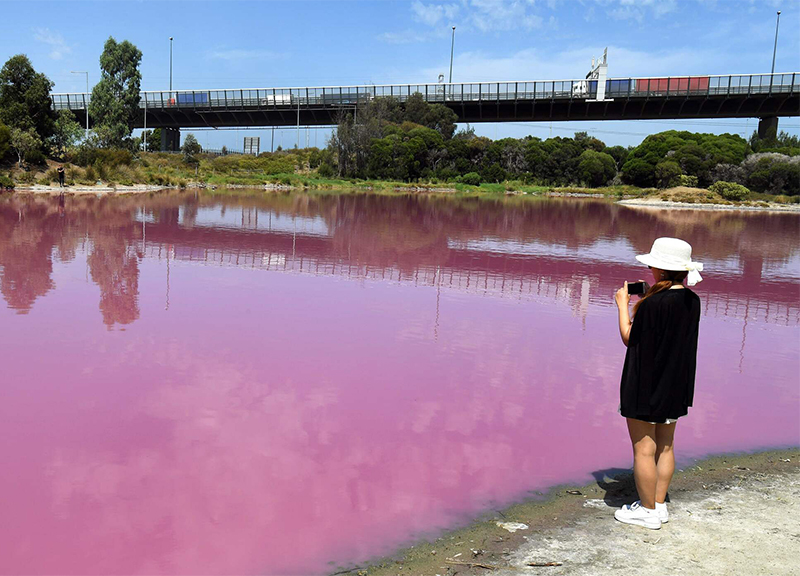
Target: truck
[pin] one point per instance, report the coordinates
(276, 100)
(588, 88)
(685, 85)
(190, 99)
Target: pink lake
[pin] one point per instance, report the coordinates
(288, 384)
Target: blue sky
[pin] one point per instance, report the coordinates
(301, 43)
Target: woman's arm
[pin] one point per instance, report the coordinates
(623, 300)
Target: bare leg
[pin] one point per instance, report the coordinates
(644, 460)
(665, 459)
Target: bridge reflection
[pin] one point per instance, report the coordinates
(572, 252)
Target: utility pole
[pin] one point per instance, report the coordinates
(775, 48)
(86, 100)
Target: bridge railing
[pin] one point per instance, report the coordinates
(453, 94)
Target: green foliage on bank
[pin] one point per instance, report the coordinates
(730, 190)
(692, 154)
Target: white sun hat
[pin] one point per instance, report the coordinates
(675, 255)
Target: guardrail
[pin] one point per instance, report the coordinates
(456, 93)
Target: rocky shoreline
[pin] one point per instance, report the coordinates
(728, 513)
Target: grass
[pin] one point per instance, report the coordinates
(291, 169)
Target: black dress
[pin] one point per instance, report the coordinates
(658, 377)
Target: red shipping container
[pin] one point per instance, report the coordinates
(672, 85)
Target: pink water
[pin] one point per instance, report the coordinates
(262, 384)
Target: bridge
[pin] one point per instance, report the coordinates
(764, 96)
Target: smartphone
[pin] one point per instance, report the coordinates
(637, 288)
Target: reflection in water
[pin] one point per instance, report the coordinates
(338, 373)
(555, 249)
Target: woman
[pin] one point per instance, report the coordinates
(658, 377)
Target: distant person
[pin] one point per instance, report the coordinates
(657, 384)
(61, 176)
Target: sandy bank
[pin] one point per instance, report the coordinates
(658, 203)
(78, 190)
(733, 514)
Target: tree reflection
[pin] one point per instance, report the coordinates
(116, 271)
(26, 247)
(409, 235)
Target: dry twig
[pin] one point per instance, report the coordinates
(544, 564)
(472, 564)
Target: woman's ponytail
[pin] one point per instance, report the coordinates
(670, 278)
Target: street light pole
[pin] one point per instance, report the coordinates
(775, 49)
(452, 46)
(170, 66)
(86, 100)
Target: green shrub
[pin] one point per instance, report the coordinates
(326, 170)
(730, 190)
(6, 182)
(51, 175)
(471, 178)
(36, 157)
(111, 157)
(26, 178)
(688, 181)
(43, 181)
(90, 175)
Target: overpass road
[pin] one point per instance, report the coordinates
(765, 96)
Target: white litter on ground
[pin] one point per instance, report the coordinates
(512, 526)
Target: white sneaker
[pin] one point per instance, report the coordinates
(663, 514)
(638, 515)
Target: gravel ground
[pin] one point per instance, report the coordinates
(752, 527)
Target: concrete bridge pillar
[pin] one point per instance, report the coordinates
(170, 139)
(767, 125)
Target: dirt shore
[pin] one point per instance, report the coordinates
(730, 514)
(79, 190)
(658, 203)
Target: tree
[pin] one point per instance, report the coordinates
(441, 119)
(67, 131)
(190, 147)
(24, 142)
(667, 174)
(153, 139)
(596, 168)
(115, 99)
(618, 153)
(5, 140)
(25, 98)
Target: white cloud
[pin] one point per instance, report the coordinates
(408, 37)
(58, 48)
(483, 15)
(637, 9)
(431, 14)
(238, 55)
(502, 15)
